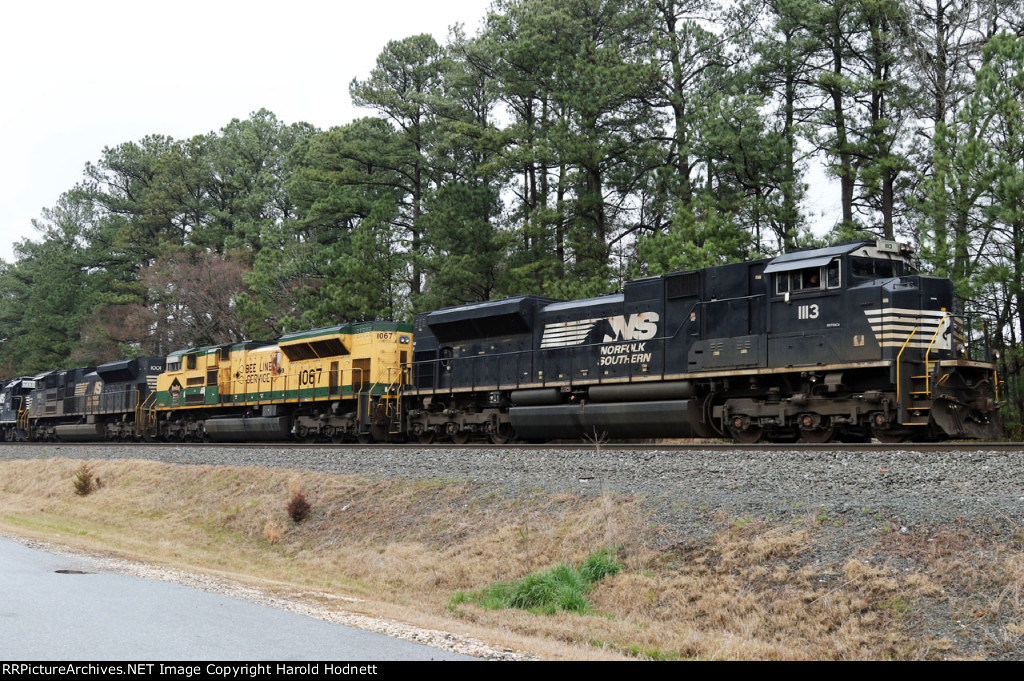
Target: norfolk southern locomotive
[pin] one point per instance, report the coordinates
(843, 343)
(833, 343)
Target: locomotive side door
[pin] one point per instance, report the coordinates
(731, 318)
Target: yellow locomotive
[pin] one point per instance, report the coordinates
(334, 384)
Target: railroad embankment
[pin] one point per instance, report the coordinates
(702, 575)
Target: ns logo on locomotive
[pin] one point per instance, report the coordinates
(839, 343)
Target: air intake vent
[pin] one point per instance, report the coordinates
(682, 285)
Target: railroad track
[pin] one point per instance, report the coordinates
(966, 446)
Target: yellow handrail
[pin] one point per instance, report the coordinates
(390, 397)
(22, 420)
(899, 358)
(927, 362)
(145, 413)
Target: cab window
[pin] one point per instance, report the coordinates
(832, 274)
(872, 268)
(808, 279)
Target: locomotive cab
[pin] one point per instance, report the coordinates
(881, 347)
(14, 399)
(817, 301)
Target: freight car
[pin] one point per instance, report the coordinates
(845, 342)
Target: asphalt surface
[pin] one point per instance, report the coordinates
(60, 608)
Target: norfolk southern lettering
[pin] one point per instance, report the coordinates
(625, 353)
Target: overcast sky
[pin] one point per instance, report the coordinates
(79, 76)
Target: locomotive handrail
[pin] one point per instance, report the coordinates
(529, 353)
(392, 401)
(386, 397)
(928, 351)
(900, 402)
(729, 300)
(361, 400)
(21, 421)
(138, 412)
(682, 320)
(144, 417)
(264, 388)
(702, 303)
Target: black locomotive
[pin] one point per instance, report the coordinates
(108, 402)
(845, 343)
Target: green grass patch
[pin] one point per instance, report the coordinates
(563, 588)
(652, 653)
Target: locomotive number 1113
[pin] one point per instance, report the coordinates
(807, 312)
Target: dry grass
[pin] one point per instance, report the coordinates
(754, 590)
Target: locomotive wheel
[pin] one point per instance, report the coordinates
(502, 435)
(746, 436)
(364, 438)
(426, 437)
(461, 437)
(818, 435)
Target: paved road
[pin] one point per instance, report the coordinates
(49, 615)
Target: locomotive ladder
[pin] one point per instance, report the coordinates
(145, 416)
(920, 392)
(393, 404)
(23, 423)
